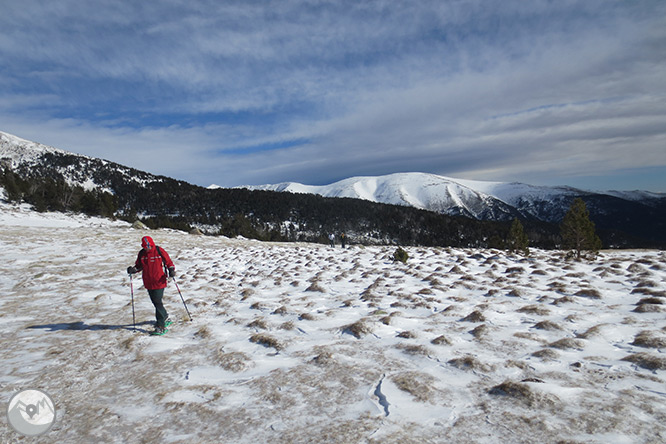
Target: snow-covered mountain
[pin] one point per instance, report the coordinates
(35, 159)
(477, 199)
(419, 190)
(638, 217)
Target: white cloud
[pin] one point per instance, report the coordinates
(505, 90)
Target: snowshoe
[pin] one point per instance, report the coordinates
(159, 331)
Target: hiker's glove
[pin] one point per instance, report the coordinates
(172, 272)
(131, 270)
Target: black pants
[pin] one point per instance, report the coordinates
(160, 312)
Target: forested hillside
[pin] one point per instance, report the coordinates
(60, 181)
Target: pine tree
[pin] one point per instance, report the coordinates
(578, 231)
(517, 239)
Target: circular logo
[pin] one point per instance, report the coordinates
(31, 412)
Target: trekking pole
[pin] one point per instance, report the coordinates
(132, 293)
(181, 298)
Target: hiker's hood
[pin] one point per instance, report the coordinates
(147, 243)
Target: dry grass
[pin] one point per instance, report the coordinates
(547, 354)
(590, 293)
(475, 316)
(282, 310)
(258, 323)
(441, 340)
(649, 339)
(520, 392)
(648, 308)
(246, 293)
(649, 292)
(266, 341)
(651, 300)
(568, 344)
(412, 349)
(547, 325)
(233, 361)
(480, 331)
(419, 385)
(315, 287)
(358, 329)
(534, 309)
(203, 333)
(564, 300)
(470, 363)
(648, 361)
(289, 325)
(591, 332)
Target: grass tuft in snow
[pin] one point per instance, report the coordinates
(358, 329)
(266, 341)
(567, 344)
(647, 360)
(649, 339)
(521, 392)
(417, 384)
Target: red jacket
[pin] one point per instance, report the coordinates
(152, 263)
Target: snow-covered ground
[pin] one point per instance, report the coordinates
(302, 343)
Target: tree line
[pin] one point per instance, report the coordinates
(161, 202)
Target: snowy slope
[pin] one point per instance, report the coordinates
(420, 190)
(19, 151)
(76, 169)
(302, 343)
(477, 199)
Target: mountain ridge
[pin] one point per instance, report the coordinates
(445, 211)
(483, 200)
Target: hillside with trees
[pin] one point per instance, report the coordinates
(61, 181)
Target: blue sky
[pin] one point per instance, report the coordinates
(253, 92)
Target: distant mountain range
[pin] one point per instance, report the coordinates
(476, 199)
(383, 209)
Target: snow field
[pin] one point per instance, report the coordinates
(296, 343)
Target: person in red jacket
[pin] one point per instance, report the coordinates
(154, 263)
